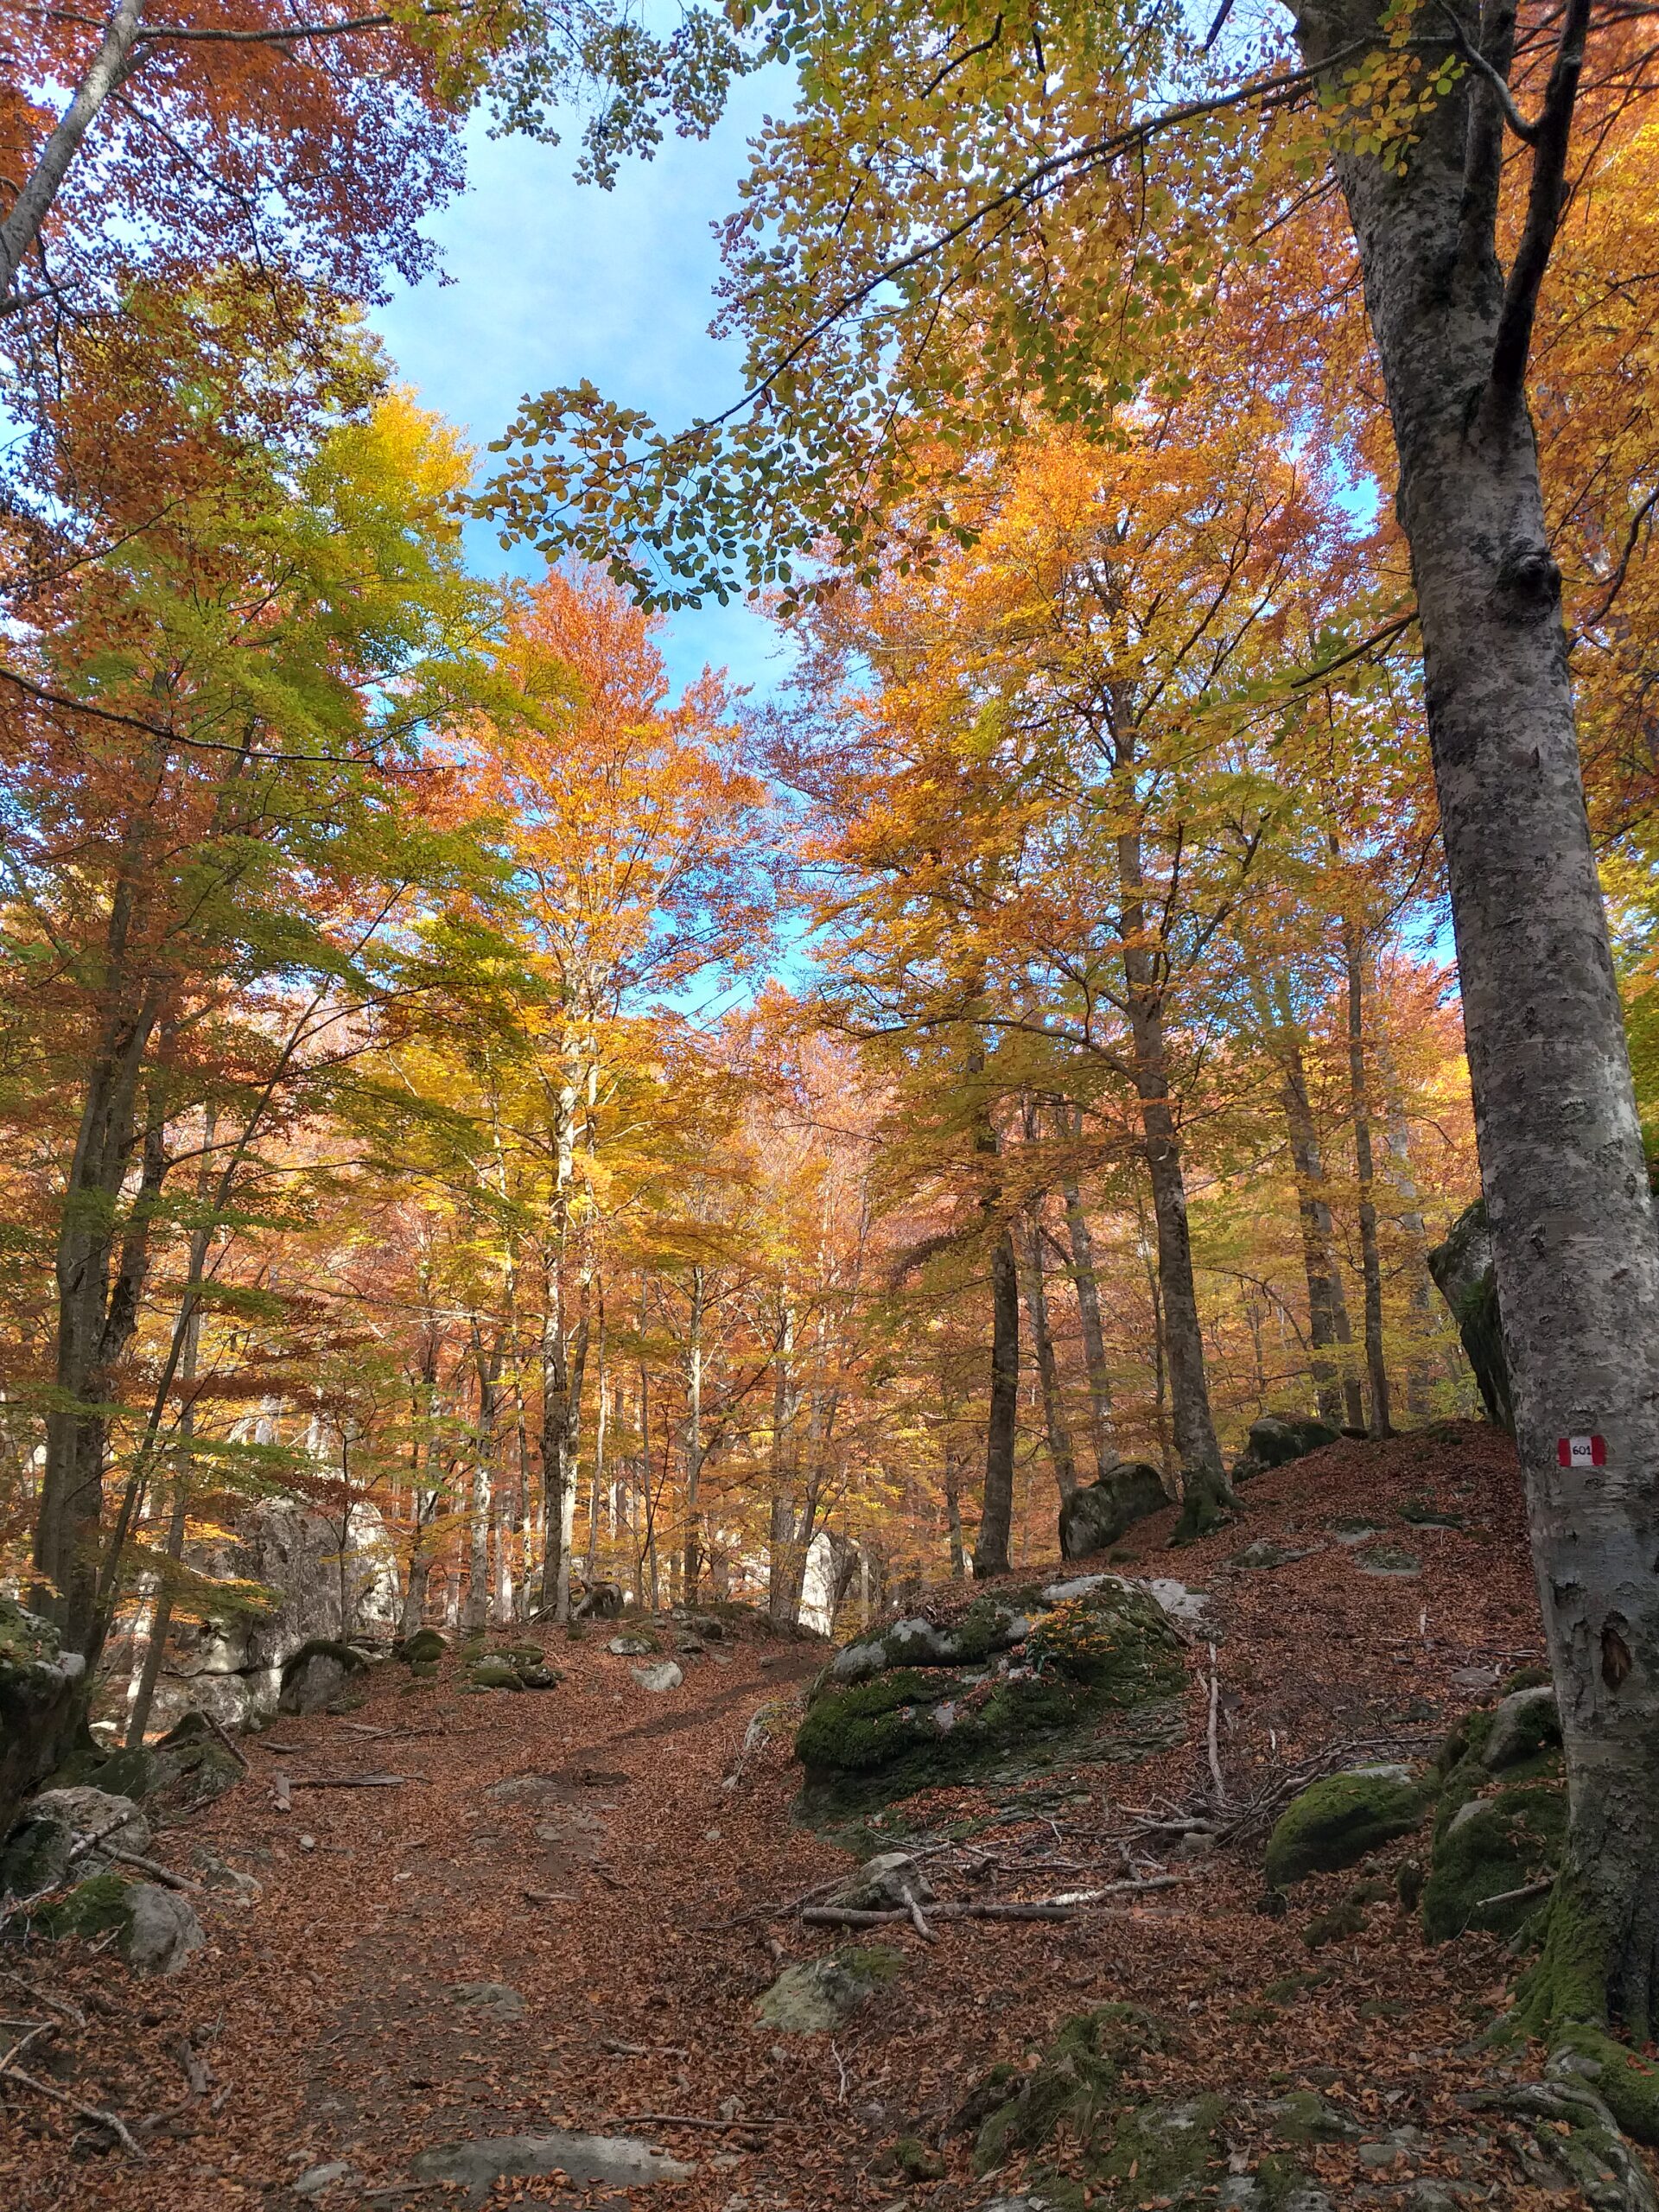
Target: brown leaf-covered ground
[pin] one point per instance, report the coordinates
(587, 1851)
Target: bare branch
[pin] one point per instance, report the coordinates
(1545, 202)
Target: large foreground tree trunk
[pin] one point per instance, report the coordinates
(1560, 1151)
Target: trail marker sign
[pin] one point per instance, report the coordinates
(1581, 1450)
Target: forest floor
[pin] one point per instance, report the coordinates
(563, 1916)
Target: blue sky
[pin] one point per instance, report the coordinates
(552, 281)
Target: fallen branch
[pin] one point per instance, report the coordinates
(1211, 1742)
(155, 1869)
(83, 1844)
(695, 2120)
(44, 1997)
(549, 1897)
(116, 2125)
(354, 1781)
(1061, 1908)
(235, 1749)
(1528, 1889)
(645, 2049)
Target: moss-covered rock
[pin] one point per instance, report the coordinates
(493, 1674)
(91, 1908)
(1277, 1439)
(912, 1726)
(1462, 1268)
(1077, 2083)
(42, 1705)
(1341, 1820)
(1096, 1514)
(425, 1647)
(317, 1674)
(1489, 1848)
(1502, 1817)
(816, 1997)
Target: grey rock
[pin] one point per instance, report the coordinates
(1098, 1514)
(1188, 1609)
(1080, 1586)
(315, 1684)
(663, 1676)
(36, 1855)
(621, 2160)
(162, 1929)
(1387, 1559)
(858, 1662)
(1428, 2196)
(495, 1999)
(1522, 1723)
(815, 1998)
(40, 1704)
(631, 1646)
(891, 1881)
(1264, 1553)
(315, 2179)
(918, 1644)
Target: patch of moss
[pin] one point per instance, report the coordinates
(1527, 1678)
(91, 1908)
(1342, 1920)
(1340, 1821)
(323, 1647)
(493, 1674)
(1489, 1848)
(1158, 2150)
(1075, 2083)
(1627, 2083)
(425, 1648)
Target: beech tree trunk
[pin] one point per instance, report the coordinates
(1102, 1426)
(1337, 1391)
(1204, 1488)
(1370, 1258)
(1560, 1151)
(953, 1465)
(996, 1520)
(694, 1441)
(1061, 1457)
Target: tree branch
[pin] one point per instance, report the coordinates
(1545, 202)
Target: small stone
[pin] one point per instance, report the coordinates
(1264, 1553)
(663, 1675)
(315, 2179)
(493, 1998)
(631, 1646)
(162, 1929)
(308, 1843)
(1387, 1559)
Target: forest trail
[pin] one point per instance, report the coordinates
(563, 1916)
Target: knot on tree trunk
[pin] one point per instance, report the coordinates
(1528, 586)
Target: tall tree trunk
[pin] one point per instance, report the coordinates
(602, 1422)
(1102, 1431)
(1336, 1390)
(693, 1562)
(953, 1472)
(1206, 1493)
(785, 1406)
(1420, 1293)
(1061, 1457)
(1377, 1370)
(476, 1610)
(996, 1519)
(1560, 1148)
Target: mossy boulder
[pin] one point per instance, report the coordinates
(514, 1666)
(318, 1674)
(424, 1647)
(1463, 1270)
(155, 1930)
(1277, 1439)
(42, 1705)
(1487, 1850)
(1096, 1514)
(1343, 1819)
(1075, 2085)
(1501, 1818)
(493, 1674)
(51, 1838)
(920, 1722)
(816, 1997)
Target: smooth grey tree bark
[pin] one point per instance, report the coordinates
(1102, 1429)
(1205, 1492)
(991, 1549)
(1560, 1152)
(1335, 1390)
(1062, 1458)
(1371, 1257)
